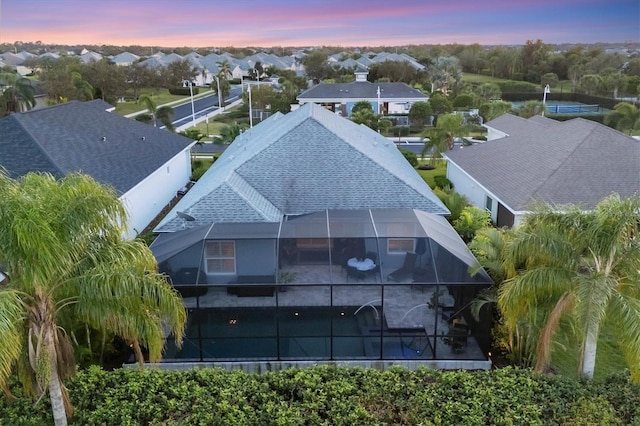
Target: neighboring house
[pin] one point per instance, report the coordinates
(385, 98)
(540, 159)
(90, 56)
(146, 166)
(313, 239)
(50, 55)
(402, 57)
(125, 59)
(11, 59)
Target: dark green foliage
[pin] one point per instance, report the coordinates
(420, 114)
(441, 181)
(400, 131)
(510, 86)
(328, 395)
(184, 91)
(411, 157)
(199, 167)
(463, 101)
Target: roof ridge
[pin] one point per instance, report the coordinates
(569, 154)
(240, 186)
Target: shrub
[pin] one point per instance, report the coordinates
(471, 220)
(333, 395)
(184, 91)
(411, 157)
(443, 182)
(400, 131)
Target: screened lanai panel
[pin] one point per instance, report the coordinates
(397, 223)
(244, 231)
(451, 269)
(167, 245)
(351, 224)
(312, 225)
(440, 231)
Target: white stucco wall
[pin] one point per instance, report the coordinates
(465, 185)
(144, 201)
(477, 195)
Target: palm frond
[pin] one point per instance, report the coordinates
(11, 332)
(545, 340)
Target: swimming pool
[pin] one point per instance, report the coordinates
(296, 333)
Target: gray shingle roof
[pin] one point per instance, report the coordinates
(124, 57)
(573, 162)
(302, 162)
(363, 90)
(67, 138)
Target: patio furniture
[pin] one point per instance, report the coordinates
(363, 265)
(457, 336)
(355, 273)
(406, 270)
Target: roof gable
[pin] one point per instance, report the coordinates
(302, 162)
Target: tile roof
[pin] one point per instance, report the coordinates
(68, 138)
(573, 162)
(305, 161)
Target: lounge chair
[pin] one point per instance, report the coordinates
(406, 270)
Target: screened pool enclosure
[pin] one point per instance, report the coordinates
(332, 285)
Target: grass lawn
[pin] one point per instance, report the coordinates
(213, 128)
(478, 78)
(160, 96)
(428, 175)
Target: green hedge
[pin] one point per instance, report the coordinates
(336, 396)
(184, 91)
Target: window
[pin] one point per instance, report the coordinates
(488, 203)
(221, 257)
(400, 245)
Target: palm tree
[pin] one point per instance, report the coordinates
(626, 116)
(164, 114)
(448, 127)
(224, 74)
(18, 94)
(583, 268)
(435, 144)
(230, 132)
(67, 263)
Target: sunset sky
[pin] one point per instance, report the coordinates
(219, 23)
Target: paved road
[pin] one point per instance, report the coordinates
(182, 114)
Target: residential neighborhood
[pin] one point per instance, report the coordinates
(382, 229)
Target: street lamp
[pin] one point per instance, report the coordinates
(219, 95)
(547, 89)
(250, 110)
(193, 109)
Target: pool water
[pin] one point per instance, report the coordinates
(294, 333)
(568, 107)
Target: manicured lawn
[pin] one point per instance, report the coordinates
(160, 96)
(428, 175)
(478, 78)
